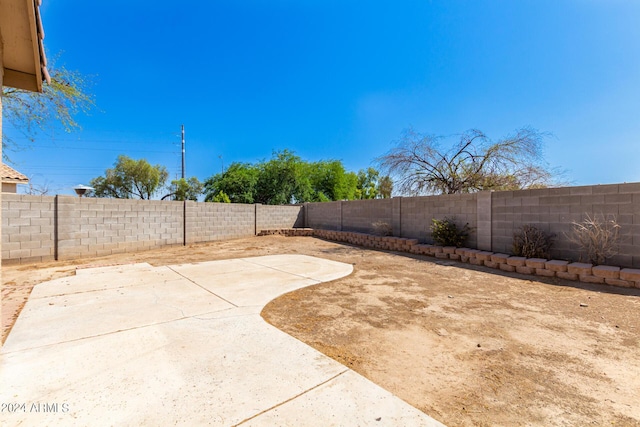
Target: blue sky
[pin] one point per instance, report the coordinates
(341, 80)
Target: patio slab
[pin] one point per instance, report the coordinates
(181, 345)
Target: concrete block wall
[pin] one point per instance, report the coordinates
(96, 227)
(28, 226)
(41, 228)
(278, 217)
(409, 217)
(326, 216)
(555, 209)
(207, 222)
(416, 214)
(359, 215)
(495, 216)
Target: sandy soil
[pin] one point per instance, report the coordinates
(469, 346)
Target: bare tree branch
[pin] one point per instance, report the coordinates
(421, 165)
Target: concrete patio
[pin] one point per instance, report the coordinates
(181, 345)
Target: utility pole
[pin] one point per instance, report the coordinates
(182, 151)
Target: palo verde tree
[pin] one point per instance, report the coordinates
(30, 112)
(423, 164)
(130, 179)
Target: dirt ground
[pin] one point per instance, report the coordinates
(469, 346)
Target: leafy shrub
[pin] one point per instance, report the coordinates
(598, 238)
(446, 233)
(381, 228)
(531, 242)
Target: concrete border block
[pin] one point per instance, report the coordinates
(525, 270)
(619, 282)
(631, 274)
(483, 255)
(544, 272)
(606, 271)
(556, 265)
(499, 258)
(507, 267)
(535, 262)
(591, 279)
(566, 275)
(579, 268)
(516, 261)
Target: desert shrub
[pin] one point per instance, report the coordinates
(596, 237)
(381, 228)
(445, 232)
(531, 242)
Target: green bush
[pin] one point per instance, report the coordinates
(446, 233)
(531, 242)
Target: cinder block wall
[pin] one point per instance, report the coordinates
(409, 216)
(359, 215)
(28, 227)
(416, 214)
(325, 216)
(278, 217)
(207, 222)
(555, 209)
(40, 228)
(496, 216)
(96, 227)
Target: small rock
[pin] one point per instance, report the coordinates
(378, 419)
(479, 345)
(449, 296)
(584, 305)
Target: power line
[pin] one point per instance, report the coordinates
(107, 149)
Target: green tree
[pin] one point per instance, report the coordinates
(330, 181)
(238, 182)
(474, 163)
(183, 189)
(282, 180)
(130, 178)
(221, 197)
(60, 101)
(368, 183)
(385, 187)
